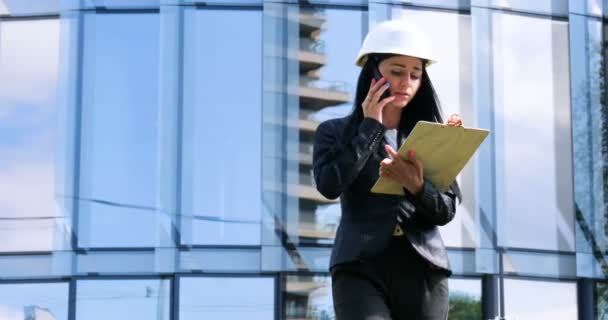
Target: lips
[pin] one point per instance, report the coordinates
(402, 94)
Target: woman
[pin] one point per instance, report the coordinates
(388, 260)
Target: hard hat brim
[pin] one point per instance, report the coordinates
(362, 58)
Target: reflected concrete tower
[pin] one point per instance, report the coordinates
(314, 94)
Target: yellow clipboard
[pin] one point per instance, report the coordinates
(444, 150)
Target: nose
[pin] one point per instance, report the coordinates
(405, 82)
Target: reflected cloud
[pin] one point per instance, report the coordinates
(29, 62)
(530, 68)
(29, 57)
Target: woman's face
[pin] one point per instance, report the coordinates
(404, 73)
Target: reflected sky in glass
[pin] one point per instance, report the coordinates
(527, 299)
(119, 129)
(123, 299)
(29, 57)
(226, 298)
(20, 7)
(469, 287)
(45, 300)
(532, 106)
(222, 134)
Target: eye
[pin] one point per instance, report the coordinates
(396, 73)
(415, 76)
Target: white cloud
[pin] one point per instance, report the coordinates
(29, 64)
(27, 190)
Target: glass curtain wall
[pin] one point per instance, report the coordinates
(156, 155)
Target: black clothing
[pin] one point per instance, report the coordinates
(347, 167)
(397, 285)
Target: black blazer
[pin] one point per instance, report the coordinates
(348, 167)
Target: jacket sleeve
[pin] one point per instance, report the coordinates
(337, 160)
(431, 207)
(435, 207)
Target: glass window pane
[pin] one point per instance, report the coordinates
(23, 8)
(226, 2)
(221, 193)
(465, 299)
(29, 59)
(308, 297)
(533, 132)
(326, 76)
(548, 7)
(123, 299)
(34, 301)
(444, 4)
(526, 299)
(451, 77)
(226, 298)
(118, 4)
(119, 130)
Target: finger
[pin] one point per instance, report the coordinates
(455, 117)
(412, 158)
(380, 91)
(411, 155)
(374, 86)
(416, 163)
(385, 101)
(377, 84)
(455, 123)
(386, 163)
(391, 152)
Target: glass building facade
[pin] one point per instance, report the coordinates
(156, 155)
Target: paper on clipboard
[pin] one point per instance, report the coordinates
(444, 150)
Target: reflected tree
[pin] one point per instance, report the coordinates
(602, 301)
(464, 307)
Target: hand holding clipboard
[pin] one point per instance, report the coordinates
(443, 149)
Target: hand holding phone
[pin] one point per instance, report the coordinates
(377, 97)
(378, 76)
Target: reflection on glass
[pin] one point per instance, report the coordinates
(532, 112)
(308, 297)
(123, 299)
(29, 58)
(222, 127)
(24, 8)
(605, 131)
(119, 130)
(465, 299)
(527, 299)
(226, 298)
(39, 301)
(451, 77)
(329, 41)
(602, 300)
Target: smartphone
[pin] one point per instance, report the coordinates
(378, 76)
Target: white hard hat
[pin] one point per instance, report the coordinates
(396, 37)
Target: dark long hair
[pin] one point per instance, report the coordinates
(424, 106)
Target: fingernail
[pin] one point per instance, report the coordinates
(411, 153)
(387, 84)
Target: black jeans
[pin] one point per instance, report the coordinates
(398, 285)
